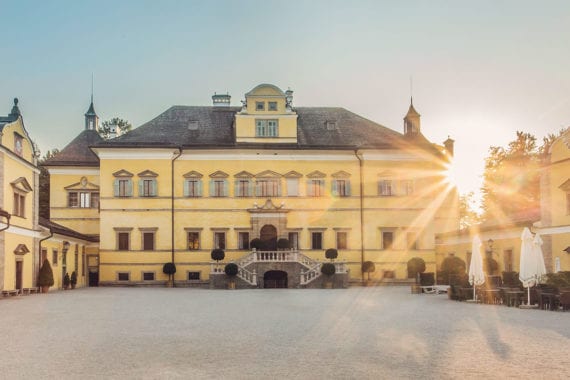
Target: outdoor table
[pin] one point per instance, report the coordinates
(491, 296)
(514, 297)
(548, 300)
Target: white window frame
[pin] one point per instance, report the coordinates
(266, 128)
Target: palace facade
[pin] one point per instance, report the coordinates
(197, 178)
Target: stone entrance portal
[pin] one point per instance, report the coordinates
(275, 279)
(268, 234)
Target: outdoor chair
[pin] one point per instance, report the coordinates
(565, 300)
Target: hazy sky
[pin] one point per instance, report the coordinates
(481, 69)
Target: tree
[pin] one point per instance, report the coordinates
(467, 214)
(45, 277)
(217, 254)
(44, 184)
(368, 267)
(331, 254)
(123, 126)
(170, 270)
(416, 265)
(512, 176)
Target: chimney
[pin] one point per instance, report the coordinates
(221, 100)
(448, 144)
(289, 99)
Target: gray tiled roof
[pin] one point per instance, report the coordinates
(197, 126)
(77, 152)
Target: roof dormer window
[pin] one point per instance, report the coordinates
(272, 106)
(260, 106)
(266, 128)
(18, 144)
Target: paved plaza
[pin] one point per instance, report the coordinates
(356, 333)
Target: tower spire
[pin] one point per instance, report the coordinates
(91, 118)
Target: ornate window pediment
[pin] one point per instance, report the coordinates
(387, 174)
(193, 174)
(148, 173)
(22, 185)
(292, 174)
(316, 174)
(219, 174)
(122, 173)
(565, 186)
(244, 174)
(268, 174)
(21, 250)
(83, 185)
(341, 174)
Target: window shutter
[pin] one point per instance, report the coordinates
(141, 188)
(154, 187)
(249, 188)
(116, 187)
(129, 188)
(278, 188)
(225, 188)
(310, 189)
(334, 187)
(212, 190)
(394, 188)
(186, 188)
(236, 189)
(321, 187)
(198, 188)
(348, 189)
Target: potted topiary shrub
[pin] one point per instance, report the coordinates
(257, 244)
(217, 255)
(331, 254)
(170, 270)
(231, 270)
(368, 267)
(328, 269)
(416, 265)
(66, 281)
(45, 278)
(73, 280)
(283, 244)
(491, 266)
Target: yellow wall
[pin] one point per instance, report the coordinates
(56, 244)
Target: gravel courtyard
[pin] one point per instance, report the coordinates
(357, 333)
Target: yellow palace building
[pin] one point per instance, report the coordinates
(26, 240)
(196, 178)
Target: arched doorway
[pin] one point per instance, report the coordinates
(268, 234)
(275, 279)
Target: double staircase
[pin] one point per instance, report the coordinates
(247, 272)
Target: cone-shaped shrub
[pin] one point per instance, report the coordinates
(45, 277)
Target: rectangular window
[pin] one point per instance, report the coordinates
(387, 239)
(193, 241)
(266, 128)
(123, 276)
(341, 187)
(243, 188)
(243, 240)
(260, 106)
(148, 276)
(272, 106)
(148, 241)
(294, 240)
(220, 240)
(83, 261)
(84, 200)
(385, 188)
(218, 188)
(18, 144)
(54, 257)
(193, 188)
(193, 276)
(412, 240)
(315, 187)
(267, 188)
(341, 240)
(147, 187)
(408, 187)
(94, 200)
(76, 266)
(123, 241)
(19, 205)
(123, 188)
(317, 240)
(293, 187)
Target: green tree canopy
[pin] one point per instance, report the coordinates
(123, 126)
(44, 184)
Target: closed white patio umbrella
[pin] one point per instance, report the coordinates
(532, 261)
(476, 273)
